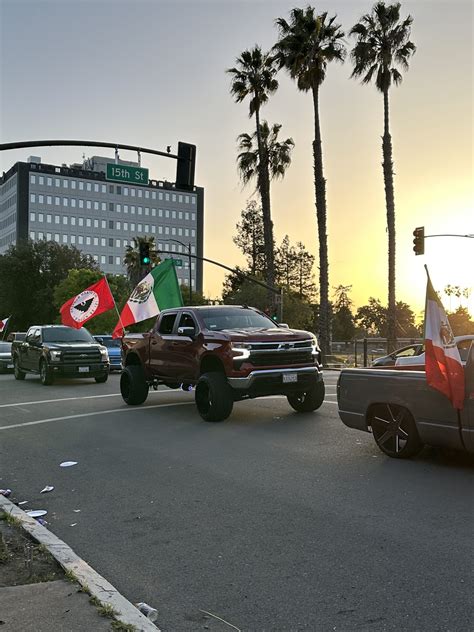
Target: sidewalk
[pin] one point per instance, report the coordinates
(80, 601)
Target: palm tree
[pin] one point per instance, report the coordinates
(135, 271)
(306, 45)
(382, 47)
(254, 77)
(278, 154)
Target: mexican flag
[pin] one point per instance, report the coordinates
(3, 324)
(157, 291)
(443, 366)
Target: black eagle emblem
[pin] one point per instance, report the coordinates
(84, 306)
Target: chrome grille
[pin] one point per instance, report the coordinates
(81, 357)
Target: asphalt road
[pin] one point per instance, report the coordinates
(272, 520)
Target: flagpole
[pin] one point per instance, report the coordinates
(115, 304)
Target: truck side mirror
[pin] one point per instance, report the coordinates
(284, 325)
(186, 331)
(100, 340)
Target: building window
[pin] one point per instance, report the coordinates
(125, 225)
(118, 208)
(173, 197)
(160, 195)
(111, 188)
(153, 229)
(186, 232)
(140, 193)
(125, 190)
(56, 237)
(160, 212)
(180, 199)
(111, 260)
(102, 258)
(132, 192)
(96, 223)
(73, 202)
(32, 217)
(73, 184)
(65, 184)
(186, 199)
(111, 206)
(80, 221)
(102, 241)
(193, 217)
(49, 182)
(153, 212)
(88, 204)
(173, 230)
(32, 198)
(32, 234)
(80, 239)
(49, 199)
(117, 243)
(96, 241)
(103, 206)
(118, 225)
(81, 203)
(186, 216)
(132, 227)
(65, 202)
(40, 217)
(147, 193)
(49, 218)
(57, 182)
(167, 214)
(119, 190)
(103, 223)
(57, 219)
(140, 210)
(167, 197)
(88, 222)
(167, 247)
(117, 261)
(180, 232)
(89, 186)
(96, 206)
(125, 208)
(48, 236)
(153, 195)
(64, 239)
(104, 188)
(193, 199)
(173, 247)
(81, 185)
(140, 229)
(40, 235)
(57, 201)
(160, 230)
(96, 187)
(96, 258)
(73, 239)
(173, 214)
(193, 232)
(167, 230)
(65, 220)
(88, 241)
(111, 223)
(147, 228)
(180, 215)
(73, 221)
(41, 180)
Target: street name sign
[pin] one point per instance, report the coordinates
(132, 175)
(178, 262)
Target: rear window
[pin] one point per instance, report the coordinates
(66, 334)
(110, 342)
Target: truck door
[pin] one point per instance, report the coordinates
(467, 414)
(161, 357)
(35, 350)
(24, 348)
(185, 348)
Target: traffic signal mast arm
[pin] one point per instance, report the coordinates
(419, 239)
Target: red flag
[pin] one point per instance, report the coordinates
(91, 302)
(3, 324)
(443, 366)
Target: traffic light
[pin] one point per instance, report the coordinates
(419, 241)
(144, 249)
(186, 166)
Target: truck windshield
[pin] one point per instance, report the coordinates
(66, 334)
(235, 318)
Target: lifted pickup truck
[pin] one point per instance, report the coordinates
(403, 412)
(229, 354)
(58, 351)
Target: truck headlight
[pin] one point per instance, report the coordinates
(315, 350)
(241, 351)
(55, 356)
(104, 354)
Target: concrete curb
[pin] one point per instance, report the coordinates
(87, 577)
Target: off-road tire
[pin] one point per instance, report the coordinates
(17, 372)
(102, 378)
(394, 431)
(133, 386)
(46, 376)
(213, 397)
(308, 401)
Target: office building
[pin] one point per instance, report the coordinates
(77, 205)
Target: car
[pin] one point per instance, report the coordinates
(411, 351)
(417, 362)
(6, 362)
(16, 335)
(114, 348)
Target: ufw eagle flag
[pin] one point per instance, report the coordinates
(157, 291)
(443, 366)
(92, 301)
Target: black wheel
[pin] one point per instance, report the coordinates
(133, 386)
(17, 372)
(308, 401)
(46, 376)
(395, 431)
(214, 399)
(102, 378)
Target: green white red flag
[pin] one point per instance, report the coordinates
(3, 324)
(443, 366)
(157, 291)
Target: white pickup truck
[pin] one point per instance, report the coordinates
(403, 412)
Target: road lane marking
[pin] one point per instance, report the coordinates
(70, 399)
(92, 414)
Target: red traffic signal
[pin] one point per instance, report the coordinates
(419, 241)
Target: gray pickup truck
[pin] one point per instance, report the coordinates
(403, 412)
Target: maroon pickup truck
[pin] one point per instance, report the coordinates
(228, 353)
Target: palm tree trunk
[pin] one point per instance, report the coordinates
(390, 205)
(320, 192)
(264, 186)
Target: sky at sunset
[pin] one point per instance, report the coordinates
(152, 73)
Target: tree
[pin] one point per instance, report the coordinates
(197, 298)
(343, 327)
(304, 263)
(383, 46)
(461, 322)
(78, 280)
(285, 261)
(250, 237)
(29, 273)
(254, 77)
(306, 45)
(135, 271)
(372, 317)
